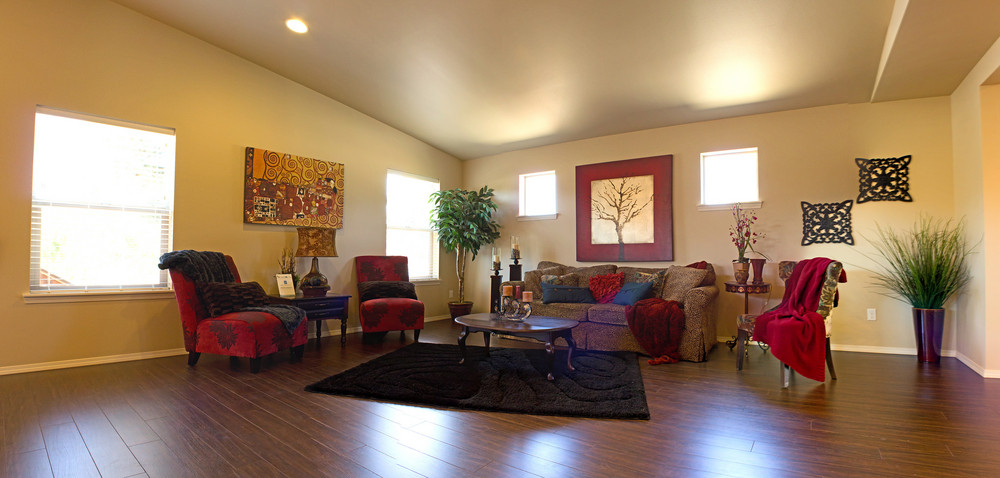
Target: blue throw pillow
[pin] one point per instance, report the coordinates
(566, 293)
(632, 292)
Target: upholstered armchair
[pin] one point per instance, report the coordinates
(387, 299)
(215, 319)
(828, 298)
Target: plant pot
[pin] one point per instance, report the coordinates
(758, 270)
(741, 271)
(928, 328)
(458, 309)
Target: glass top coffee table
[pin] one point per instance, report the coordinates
(540, 328)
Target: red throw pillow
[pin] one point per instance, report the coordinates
(698, 265)
(605, 287)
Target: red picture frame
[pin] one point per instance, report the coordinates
(662, 246)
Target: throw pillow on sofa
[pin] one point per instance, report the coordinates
(566, 279)
(566, 294)
(632, 292)
(604, 287)
(221, 298)
(679, 280)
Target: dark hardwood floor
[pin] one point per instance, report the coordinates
(885, 416)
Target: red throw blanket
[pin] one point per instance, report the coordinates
(657, 325)
(794, 330)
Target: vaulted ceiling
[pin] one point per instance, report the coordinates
(480, 77)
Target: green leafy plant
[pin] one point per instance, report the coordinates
(464, 223)
(923, 266)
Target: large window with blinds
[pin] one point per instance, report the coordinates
(102, 203)
(408, 223)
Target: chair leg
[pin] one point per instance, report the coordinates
(402, 335)
(193, 358)
(786, 373)
(416, 335)
(741, 345)
(297, 352)
(829, 360)
(255, 365)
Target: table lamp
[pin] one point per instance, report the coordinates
(316, 242)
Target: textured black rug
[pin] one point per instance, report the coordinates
(604, 384)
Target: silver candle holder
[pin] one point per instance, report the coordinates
(513, 309)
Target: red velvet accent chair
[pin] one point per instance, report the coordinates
(383, 309)
(249, 334)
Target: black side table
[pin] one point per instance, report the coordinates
(319, 309)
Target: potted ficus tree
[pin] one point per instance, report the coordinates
(464, 223)
(924, 267)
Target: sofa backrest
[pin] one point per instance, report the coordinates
(673, 285)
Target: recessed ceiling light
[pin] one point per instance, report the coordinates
(296, 25)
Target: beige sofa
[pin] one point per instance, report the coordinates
(603, 326)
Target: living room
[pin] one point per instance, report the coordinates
(102, 58)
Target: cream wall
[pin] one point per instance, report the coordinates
(804, 155)
(975, 134)
(97, 57)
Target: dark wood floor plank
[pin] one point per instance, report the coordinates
(68, 454)
(885, 416)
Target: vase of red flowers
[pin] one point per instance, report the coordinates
(743, 238)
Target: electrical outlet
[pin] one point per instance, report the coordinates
(451, 295)
(871, 313)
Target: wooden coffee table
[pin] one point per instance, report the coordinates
(542, 329)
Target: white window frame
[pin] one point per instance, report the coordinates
(434, 248)
(46, 291)
(525, 193)
(750, 198)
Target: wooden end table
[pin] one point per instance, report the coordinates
(319, 309)
(542, 329)
(746, 290)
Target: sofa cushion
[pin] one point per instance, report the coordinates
(566, 293)
(572, 279)
(606, 286)
(563, 310)
(679, 280)
(587, 272)
(533, 279)
(607, 314)
(632, 292)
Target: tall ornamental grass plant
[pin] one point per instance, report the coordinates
(926, 265)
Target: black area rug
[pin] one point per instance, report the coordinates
(604, 384)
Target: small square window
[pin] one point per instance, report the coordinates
(729, 177)
(537, 194)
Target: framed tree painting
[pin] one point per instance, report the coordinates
(624, 210)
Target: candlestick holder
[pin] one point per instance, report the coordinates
(514, 310)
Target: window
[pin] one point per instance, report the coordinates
(537, 194)
(102, 198)
(408, 223)
(729, 177)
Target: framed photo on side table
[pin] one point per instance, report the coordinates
(285, 286)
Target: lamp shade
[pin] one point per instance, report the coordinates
(317, 242)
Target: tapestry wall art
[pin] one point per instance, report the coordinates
(884, 179)
(624, 210)
(827, 223)
(291, 190)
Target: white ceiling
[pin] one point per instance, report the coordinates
(480, 77)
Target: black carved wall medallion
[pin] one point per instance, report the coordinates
(827, 223)
(884, 179)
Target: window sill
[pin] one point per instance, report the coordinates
(95, 296)
(425, 281)
(540, 217)
(726, 207)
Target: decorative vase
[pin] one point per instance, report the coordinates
(928, 328)
(741, 271)
(758, 270)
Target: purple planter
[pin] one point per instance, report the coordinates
(928, 327)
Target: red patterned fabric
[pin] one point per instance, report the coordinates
(239, 334)
(657, 325)
(794, 330)
(387, 313)
(698, 265)
(605, 287)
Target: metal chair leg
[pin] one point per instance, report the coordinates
(786, 373)
(741, 341)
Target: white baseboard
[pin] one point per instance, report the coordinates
(38, 367)
(83, 362)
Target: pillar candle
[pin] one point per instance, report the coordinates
(508, 290)
(527, 296)
(517, 291)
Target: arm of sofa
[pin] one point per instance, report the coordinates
(699, 319)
